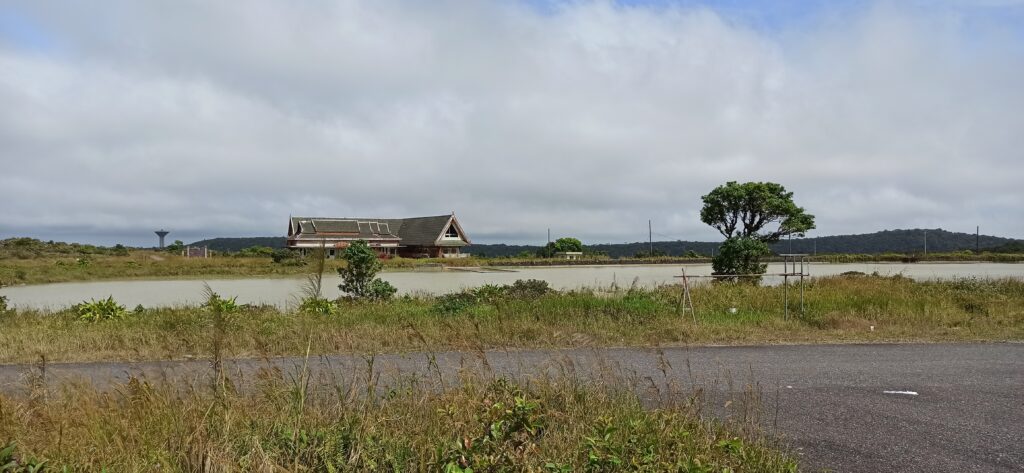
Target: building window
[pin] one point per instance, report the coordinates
(332, 252)
(451, 232)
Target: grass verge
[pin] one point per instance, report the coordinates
(291, 423)
(839, 309)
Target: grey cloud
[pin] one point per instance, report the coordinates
(220, 119)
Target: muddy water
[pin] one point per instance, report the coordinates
(283, 291)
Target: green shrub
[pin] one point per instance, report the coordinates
(317, 305)
(490, 294)
(359, 275)
(216, 303)
(3, 304)
(103, 309)
(741, 255)
(455, 302)
(380, 290)
(287, 257)
(528, 289)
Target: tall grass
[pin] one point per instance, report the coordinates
(286, 423)
(837, 309)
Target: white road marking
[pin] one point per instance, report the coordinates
(909, 393)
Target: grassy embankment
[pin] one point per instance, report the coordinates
(147, 264)
(839, 309)
(293, 423)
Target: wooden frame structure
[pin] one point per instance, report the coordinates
(790, 264)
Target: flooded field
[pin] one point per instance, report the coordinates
(284, 291)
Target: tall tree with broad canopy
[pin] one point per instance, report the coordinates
(750, 216)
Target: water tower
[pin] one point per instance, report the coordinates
(162, 233)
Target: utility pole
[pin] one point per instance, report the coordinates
(977, 240)
(650, 239)
(926, 242)
(549, 236)
(815, 241)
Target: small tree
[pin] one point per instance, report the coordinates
(175, 247)
(560, 245)
(568, 244)
(744, 215)
(359, 275)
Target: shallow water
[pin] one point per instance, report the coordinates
(284, 291)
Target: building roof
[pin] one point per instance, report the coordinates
(414, 231)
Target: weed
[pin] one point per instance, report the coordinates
(216, 304)
(317, 306)
(529, 288)
(505, 434)
(103, 309)
(10, 463)
(490, 294)
(454, 303)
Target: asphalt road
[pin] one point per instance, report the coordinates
(950, 407)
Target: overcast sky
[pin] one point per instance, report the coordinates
(223, 118)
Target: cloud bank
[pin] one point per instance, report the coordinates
(589, 118)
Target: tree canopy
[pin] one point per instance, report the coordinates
(568, 244)
(748, 210)
(560, 245)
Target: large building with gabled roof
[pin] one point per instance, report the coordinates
(418, 237)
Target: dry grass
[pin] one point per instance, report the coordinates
(839, 309)
(295, 423)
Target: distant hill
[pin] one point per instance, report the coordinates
(237, 244)
(888, 241)
(1016, 246)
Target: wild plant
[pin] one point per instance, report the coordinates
(312, 300)
(11, 463)
(103, 309)
(521, 290)
(220, 310)
(506, 434)
(214, 303)
(529, 288)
